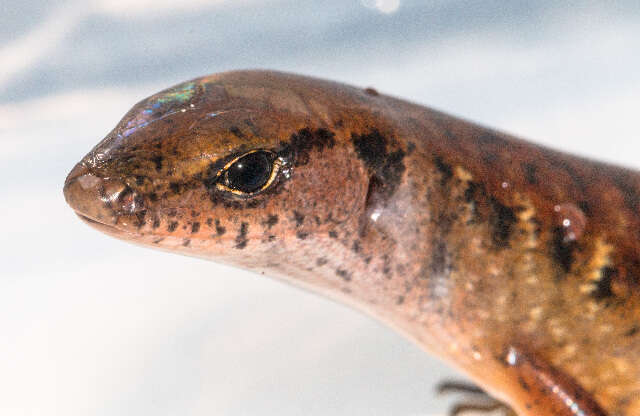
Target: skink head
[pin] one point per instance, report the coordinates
(242, 167)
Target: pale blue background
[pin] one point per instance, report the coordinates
(93, 326)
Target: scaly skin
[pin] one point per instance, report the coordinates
(515, 263)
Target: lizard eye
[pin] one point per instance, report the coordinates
(250, 173)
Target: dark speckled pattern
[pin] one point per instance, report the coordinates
(517, 263)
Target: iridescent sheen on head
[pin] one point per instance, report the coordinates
(162, 105)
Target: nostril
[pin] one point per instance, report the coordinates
(119, 196)
(88, 181)
(78, 183)
(112, 190)
(102, 199)
(130, 202)
(78, 171)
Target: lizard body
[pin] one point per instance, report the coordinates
(518, 264)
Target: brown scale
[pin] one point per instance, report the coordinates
(515, 263)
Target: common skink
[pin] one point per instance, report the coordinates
(518, 264)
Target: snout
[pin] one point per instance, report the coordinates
(98, 199)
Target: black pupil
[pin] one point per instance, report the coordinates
(249, 173)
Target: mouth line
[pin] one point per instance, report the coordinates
(89, 220)
(105, 228)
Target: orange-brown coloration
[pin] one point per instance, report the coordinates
(470, 242)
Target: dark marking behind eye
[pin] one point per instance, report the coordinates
(220, 230)
(386, 266)
(502, 220)
(356, 247)
(562, 249)
(195, 227)
(344, 274)
(530, 173)
(237, 132)
(634, 330)
(371, 149)
(604, 287)
(306, 140)
(298, 217)
(140, 218)
(271, 221)
(473, 195)
(444, 168)
(241, 239)
(470, 192)
(387, 167)
(393, 169)
(321, 261)
(440, 264)
(157, 161)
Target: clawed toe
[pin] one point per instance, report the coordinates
(474, 400)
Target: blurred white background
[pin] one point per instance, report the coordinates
(93, 326)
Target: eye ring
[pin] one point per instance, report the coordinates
(250, 173)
